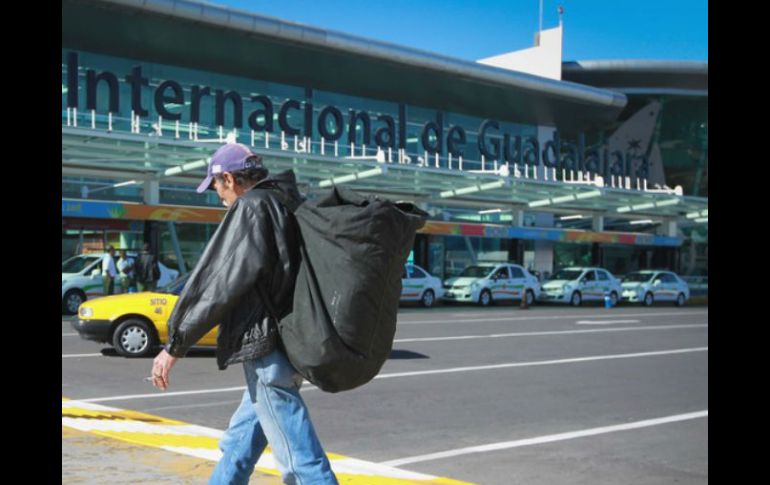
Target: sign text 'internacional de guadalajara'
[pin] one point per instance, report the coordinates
(331, 125)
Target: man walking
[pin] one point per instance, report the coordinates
(125, 271)
(109, 271)
(147, 270)
(254, 251)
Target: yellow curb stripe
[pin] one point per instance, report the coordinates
(161, 440)
(74, 412)
(125, 417)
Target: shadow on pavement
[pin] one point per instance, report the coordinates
(406, 354)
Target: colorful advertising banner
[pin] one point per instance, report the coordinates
(538, 234)
(141, 212)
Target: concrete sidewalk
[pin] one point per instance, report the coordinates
(88, 458)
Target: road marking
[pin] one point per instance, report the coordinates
(547, 439)
(70, 334)
(553, 317)
(604, 322)
(65, 356)
(541, 362)
(202, 442)
(187, 406)
(310, 387)
(164, 394)
(484, 314)
(555, 332)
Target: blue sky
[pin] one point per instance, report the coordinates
(471, 30)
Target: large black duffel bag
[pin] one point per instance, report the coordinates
(341, 329)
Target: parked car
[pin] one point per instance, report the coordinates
(650, 286)
(81, 279)
(575, 285)
(133, 323)
(487, 283)
(419, 285)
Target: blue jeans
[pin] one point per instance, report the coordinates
(272, 410)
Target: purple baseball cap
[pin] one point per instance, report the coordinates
(230, 158)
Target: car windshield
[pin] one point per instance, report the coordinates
(176, 286)
(476, 271)
(637, 277)
(77, 264)
(567, 274)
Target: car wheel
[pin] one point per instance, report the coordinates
(576, 299)
(680, 299)
(71, 301)
(134, 338)
(428, 298)
(530, 296)
(485, 299)
(614, 298)
(649, 299)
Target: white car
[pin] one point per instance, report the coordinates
(576, 285)
(81, 279)
(419, 285)
(486, 283)
(650, 286)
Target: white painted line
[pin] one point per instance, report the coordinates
(482, 314)
(542, 362)
(130, 427)
(547, 439)
(163, 394)
(309, 387)
(552, 317)
(185, 406)
(555, 332)
(69, 335)
(66, 356)
(604, 322)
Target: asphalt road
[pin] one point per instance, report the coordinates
(549, 395)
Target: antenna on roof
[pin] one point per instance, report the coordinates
(541, 17)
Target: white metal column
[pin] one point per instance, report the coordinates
(177, 248)
(151, 192)
(597, 223)
(469, 246)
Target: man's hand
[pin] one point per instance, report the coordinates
(161, 366)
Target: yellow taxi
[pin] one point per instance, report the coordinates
(134, 323)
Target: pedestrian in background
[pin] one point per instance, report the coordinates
(126, 271)
(109, 271)
(147, 270)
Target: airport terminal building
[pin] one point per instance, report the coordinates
(519, 157)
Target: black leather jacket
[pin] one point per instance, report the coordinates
(257, 243)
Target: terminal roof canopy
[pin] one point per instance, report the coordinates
(86, 152)
(641, 76)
